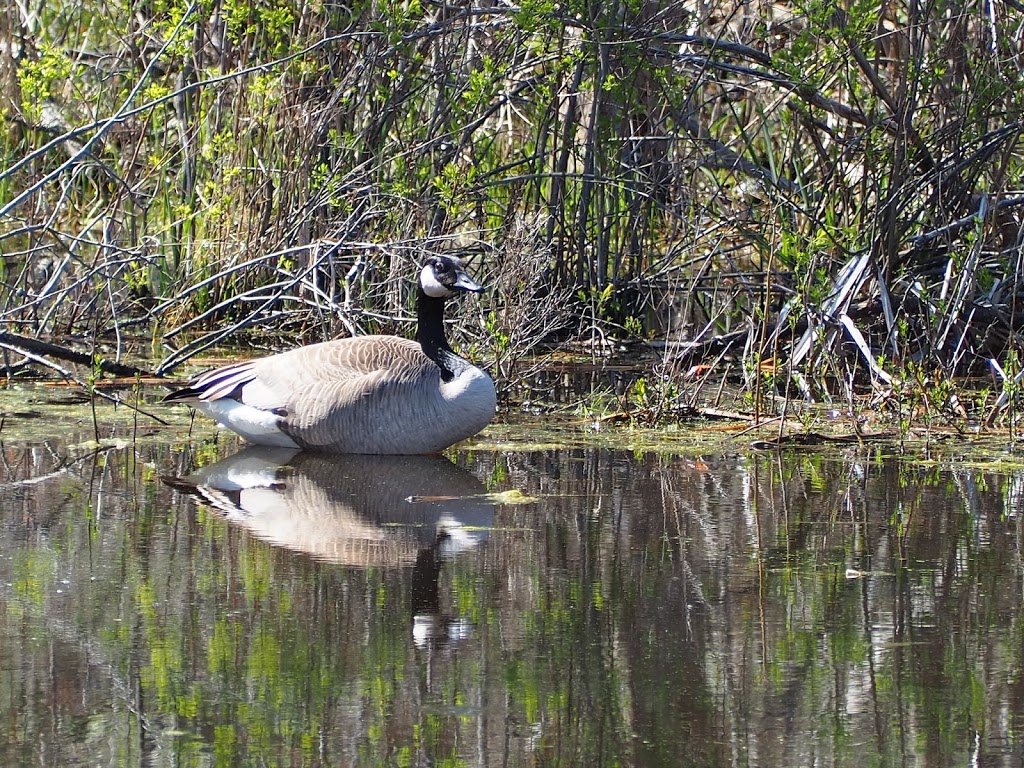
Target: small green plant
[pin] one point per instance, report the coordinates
(634, 327)
(451, 184)
(95, 375)
(41, 78)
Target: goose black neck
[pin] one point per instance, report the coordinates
(430, 335)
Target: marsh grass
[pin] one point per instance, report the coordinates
(832, 191)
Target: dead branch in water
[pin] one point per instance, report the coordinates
(20, 344)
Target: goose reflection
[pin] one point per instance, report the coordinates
(355, 511)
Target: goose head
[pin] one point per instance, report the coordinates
(443, 276)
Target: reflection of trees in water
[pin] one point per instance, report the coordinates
(739, 623)
(654, 610)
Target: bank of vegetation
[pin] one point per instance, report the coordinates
(820, 203)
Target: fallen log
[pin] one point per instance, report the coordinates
(17, 343)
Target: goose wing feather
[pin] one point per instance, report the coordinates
(238, 382)
(223, 382)
(353, 366)
(309, 382)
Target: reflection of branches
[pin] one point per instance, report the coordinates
(64, 465)
(675, 512)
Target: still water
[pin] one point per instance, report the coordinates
(197, 604)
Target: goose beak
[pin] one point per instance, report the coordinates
(465, 283)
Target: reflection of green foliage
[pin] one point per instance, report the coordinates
(223, 646)
(264, 660)
(257, 575)
(34, 573)
(225, 746)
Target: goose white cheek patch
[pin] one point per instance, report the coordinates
(431, 286)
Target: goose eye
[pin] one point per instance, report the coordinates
(441, 266)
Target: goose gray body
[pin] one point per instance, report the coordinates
(370, 394)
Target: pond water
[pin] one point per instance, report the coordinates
(516, 603)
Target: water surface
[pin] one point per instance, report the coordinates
(184, 604)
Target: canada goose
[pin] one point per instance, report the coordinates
(369, 394)
(391, 512)
(363, 511)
